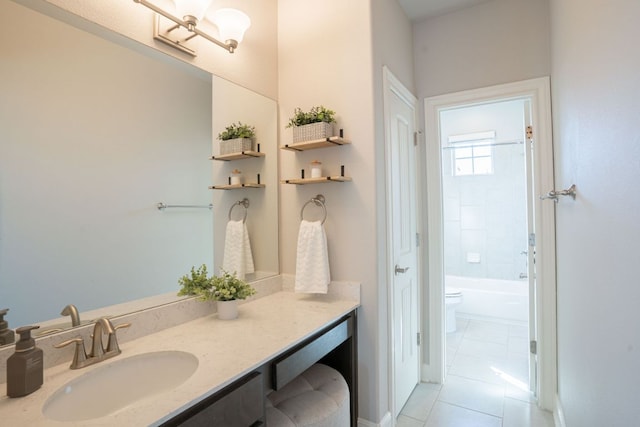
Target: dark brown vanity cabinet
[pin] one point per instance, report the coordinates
(335, 346)
(242, 403)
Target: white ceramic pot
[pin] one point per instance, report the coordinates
(227, 310)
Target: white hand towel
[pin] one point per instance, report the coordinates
(237, 250)
(312, 259)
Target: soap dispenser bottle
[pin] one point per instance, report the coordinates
(25, 368)
(7, 336)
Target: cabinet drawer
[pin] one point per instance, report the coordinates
(240, 405)
(299, 360)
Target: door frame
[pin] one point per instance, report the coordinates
(391, 84)
(538, 90)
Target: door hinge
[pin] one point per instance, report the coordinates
(532, 239)
(529, 133)
(533, 347)
(417, 239)
(418, 339)
(415, 139)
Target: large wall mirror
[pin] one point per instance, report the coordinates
(93, 136)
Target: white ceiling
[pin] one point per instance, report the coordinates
(418, 10)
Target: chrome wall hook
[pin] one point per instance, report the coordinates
(553, 194)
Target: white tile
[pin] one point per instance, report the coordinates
(487, 330)
(519, 393)
(478, 368)
(404, 421)
(446, 415)
(451, 354)
(472, 394)
(487, 378)
(516, 367)
(472, 217)
(519, 331)
(518, 345)
(421, 401)
(455, 338)
(462, 323)
(481, 348)
(523, 414)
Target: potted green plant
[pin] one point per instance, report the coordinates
(226, 289)
(194, 283)
(317, 123)
(237, 137)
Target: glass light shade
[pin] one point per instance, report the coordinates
(195, 8)
(231, 23)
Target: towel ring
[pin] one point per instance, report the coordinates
(244, 203)
(318, 201)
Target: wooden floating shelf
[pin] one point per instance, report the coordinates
(236, 186)
(318, 143)
(321, 180)
(238, 156)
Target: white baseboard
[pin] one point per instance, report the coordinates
(558, 414)
(386, 421)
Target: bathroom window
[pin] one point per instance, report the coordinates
(472, 153)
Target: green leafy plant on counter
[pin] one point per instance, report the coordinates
(226, 287)
(194, 283)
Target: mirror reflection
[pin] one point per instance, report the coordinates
(92, 137)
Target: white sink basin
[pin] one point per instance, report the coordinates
(118, 384)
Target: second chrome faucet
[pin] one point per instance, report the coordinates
(103, 326)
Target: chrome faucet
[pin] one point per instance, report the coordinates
(71, 310)
(98, 352)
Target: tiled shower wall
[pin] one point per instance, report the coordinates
(485, 215)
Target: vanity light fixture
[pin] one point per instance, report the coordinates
(231, 24)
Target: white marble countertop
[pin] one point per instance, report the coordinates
(227, 350)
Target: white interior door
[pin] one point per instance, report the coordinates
(531, 250)
(401, 179)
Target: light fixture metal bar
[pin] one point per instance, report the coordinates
(229, 46)
(158, 35)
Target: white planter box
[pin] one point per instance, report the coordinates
(237, 145)
(313, 131)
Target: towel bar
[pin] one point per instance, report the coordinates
(162, 206)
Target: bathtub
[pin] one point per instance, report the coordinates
(492, 298)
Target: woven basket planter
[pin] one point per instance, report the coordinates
(237, 145)
(313, 131)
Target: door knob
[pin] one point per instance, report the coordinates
(401, 270)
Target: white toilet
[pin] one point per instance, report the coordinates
(453, 298)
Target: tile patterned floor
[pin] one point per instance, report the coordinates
(487, 370)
